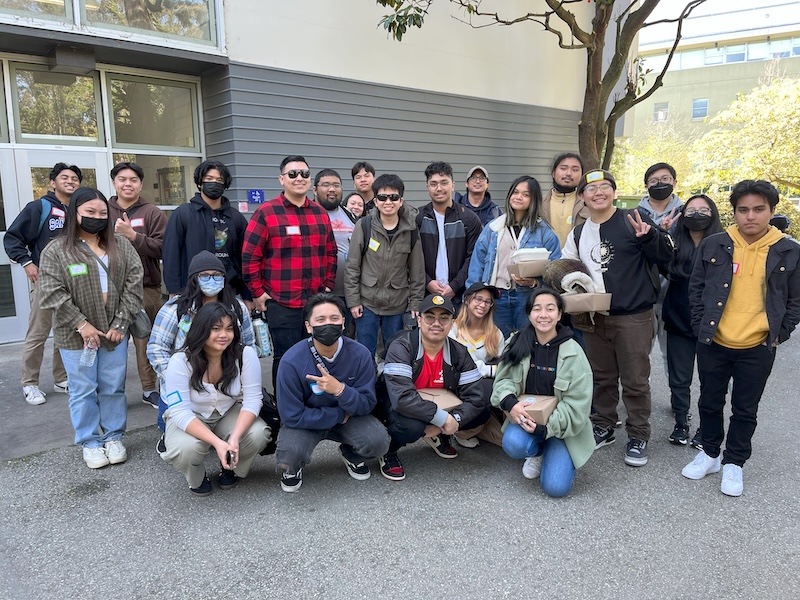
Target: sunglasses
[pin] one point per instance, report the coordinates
(294, 173)
(390, 197)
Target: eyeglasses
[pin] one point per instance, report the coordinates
(325, 186)
(690, 212)
(210, 278)
(478, 178)
(657, 180)
(488, 303)
(591, 189)
(439, 184)
(388, 197)
(431, 319)
(293, 173)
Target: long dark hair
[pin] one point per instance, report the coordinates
(71, 233)
(522, 344)
(530, 219)
(191, 298)
(208, 316)
(683, 260)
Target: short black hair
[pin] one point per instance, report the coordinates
(326, 173)
(58, 167)
(564, 156)
(657, 167)
(322, 298)
(757, 187)
(208, 165)
(438, 168)
(361, 165)
(127, 165)
(293, 158)
(388, 180)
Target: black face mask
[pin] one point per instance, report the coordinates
(563, 190)
(92, 225)
(660, 191)
(328, 334)
(212, 189)
(697, 222)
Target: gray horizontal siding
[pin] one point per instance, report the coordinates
(255, 116)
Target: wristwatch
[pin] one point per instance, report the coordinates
(457, 417)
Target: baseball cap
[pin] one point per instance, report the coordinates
(594, 176)
(478, 286)
(436, 301)
(477, 168)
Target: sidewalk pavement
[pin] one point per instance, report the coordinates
(466, 528)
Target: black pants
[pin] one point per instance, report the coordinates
(286, 328)
(405, 430)
(750, 370)
(680, 369)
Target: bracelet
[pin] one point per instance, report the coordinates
(82, 326)
(340, 392)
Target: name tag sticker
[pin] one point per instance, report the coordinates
(58, 212)
(374, 244)
(292, 230)
(137, 223)
(735, 268)
(78, 269)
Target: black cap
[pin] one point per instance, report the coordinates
(436, 301)
(478, 286)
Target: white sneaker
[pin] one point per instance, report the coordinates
(472, 442)
(732, 480)
(33, 395)
(701, 466)
(95, 457)
(116, 452)
(532, 467)
(61, 387)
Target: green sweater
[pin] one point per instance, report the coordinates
(573, 388)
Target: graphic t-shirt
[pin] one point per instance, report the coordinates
(431, 375)
(342, 232)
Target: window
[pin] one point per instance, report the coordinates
(693, 59)
(734, 54)
(699, 108)
(193, 19)
(38, 9)
(758, 51)
(168, 180)
(715, 56)
(660, 111)
(796, 47)
(780, 49)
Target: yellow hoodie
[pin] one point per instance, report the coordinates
(744, 321)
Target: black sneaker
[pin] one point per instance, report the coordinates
(204, 489)
(442, 446)
(161, 445)
(391, 467)
(636, 452)
(151, 399)
(697, 441)
(603, 436)
(356, 466)
(680, 435)
(227, 479)
(291, 482)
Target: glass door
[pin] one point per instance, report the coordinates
(13, 282)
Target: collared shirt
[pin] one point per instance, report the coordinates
(289, 252)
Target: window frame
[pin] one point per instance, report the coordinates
(657, 112)
(694, 108)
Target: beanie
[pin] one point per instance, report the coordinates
(205, 261)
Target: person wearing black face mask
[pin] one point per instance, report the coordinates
(697, 219)
(560, 206)
(661, 203)
(209, 221)
(326, 391)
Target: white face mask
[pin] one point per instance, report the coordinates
(212, 288)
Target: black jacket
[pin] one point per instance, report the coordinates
(711, 280)
(24, 241)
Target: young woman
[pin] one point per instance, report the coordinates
(93, 308)
(204, 384)
(355, 204)
(544, 359)
(698, 218)
(474, 328)
(520, 227)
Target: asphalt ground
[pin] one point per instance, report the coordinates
(467, 528)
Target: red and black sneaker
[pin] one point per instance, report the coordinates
(442, 446)
(391, 467)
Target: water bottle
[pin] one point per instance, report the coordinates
(89, 355)
(262, 334)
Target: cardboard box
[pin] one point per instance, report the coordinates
(581, 303)
(444, 399)
(528, 268)
(542, 407)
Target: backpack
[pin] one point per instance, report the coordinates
(366, 228)
(44, 215)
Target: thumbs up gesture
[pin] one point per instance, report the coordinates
(123, 227)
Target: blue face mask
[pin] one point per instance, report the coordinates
(211, 285)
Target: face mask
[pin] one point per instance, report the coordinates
(212, 189)
(562, 189)
(92, 225)
(328, 334)
(212, 288)
(660, 191)
(696, 222)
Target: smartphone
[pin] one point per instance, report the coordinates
(229, 458)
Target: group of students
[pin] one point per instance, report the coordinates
(486, 335)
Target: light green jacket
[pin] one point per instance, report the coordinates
(573, 388)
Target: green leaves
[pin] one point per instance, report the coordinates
(407, 13)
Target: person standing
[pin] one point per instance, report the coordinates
(34, 228)
(561, 208)
(478, 199)
(143, 225)
(363, 175)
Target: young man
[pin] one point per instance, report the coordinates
(289, 255)
(448, 232)
(384, 275)
(478, 199)
(661, 203)
(207, 222)
(326, 391)
(621, 250)
(428, 358)
(143, 225)
(363, 175)
(38, 223)
(560, 206)
(744, 296)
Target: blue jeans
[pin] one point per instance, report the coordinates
(558, 472)
(367, 328)
(509, 312)
(97, 403)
